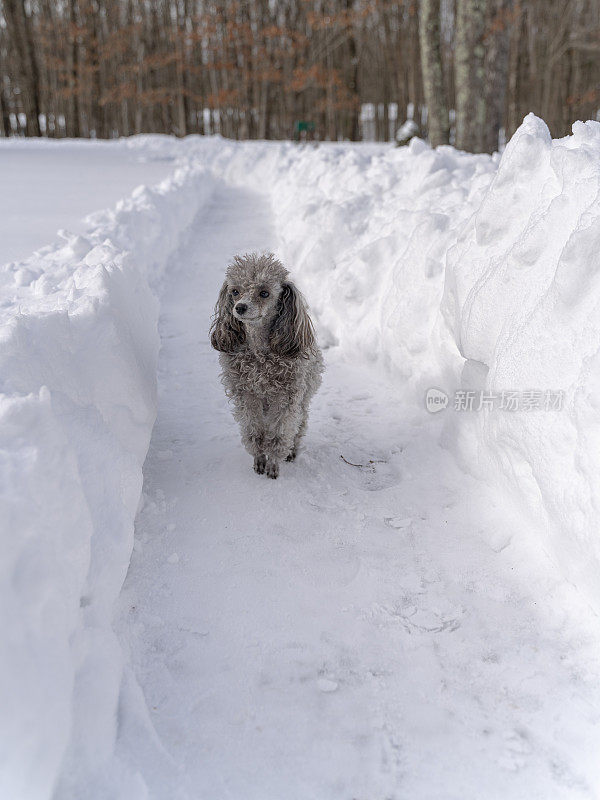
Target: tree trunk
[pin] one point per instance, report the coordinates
(431, 68)
(4, 130)
(19, 27)
(353, 64)
(513, 119)
(469, 74)
(496, 71)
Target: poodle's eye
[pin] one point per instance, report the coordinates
(234, 292)
(264, 293)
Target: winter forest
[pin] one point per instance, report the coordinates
(466, 71)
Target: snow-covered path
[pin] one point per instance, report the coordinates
(345, 632)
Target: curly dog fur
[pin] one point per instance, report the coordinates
(271, 365)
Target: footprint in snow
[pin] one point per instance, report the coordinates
(420, 620)
(358, 397)
(327, 685)
(398, 523)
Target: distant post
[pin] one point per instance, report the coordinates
(304, 131)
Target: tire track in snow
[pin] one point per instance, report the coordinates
(343, 632)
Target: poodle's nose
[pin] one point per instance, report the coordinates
(241, 308)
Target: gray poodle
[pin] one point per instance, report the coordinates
(271, 363)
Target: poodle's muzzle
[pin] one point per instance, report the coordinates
(245, 312)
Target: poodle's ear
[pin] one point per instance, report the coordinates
(292, 333)
(226, 332)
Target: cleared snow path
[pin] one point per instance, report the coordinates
(345, 632)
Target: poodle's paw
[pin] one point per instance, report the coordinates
(273, 469)
(260, 462)
(291, 455)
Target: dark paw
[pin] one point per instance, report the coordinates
(272, 469)
(292, 455)
(260, 462)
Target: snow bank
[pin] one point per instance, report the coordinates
(78, 354)
(523, 300)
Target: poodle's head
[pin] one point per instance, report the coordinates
(257, 293)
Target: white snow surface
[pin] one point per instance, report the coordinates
(78, 354)
(410, 610)
(51, 184)
(522, 295)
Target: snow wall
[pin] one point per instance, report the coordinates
(78, 356)
(522, 299)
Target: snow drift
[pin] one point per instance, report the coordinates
(78, 354)
(522, 298)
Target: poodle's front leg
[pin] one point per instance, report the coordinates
(272, 468)
(299, 434)
(260, 463)
(250, 415)
(282, 427)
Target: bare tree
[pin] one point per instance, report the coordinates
(469, 74)
(431, 67)
(496, 41)
(19, 27)
(254, 68)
